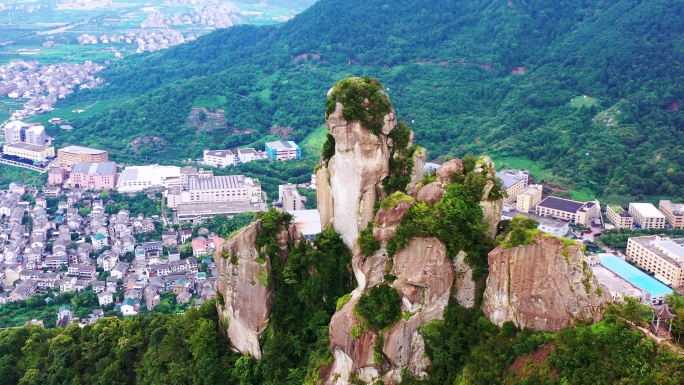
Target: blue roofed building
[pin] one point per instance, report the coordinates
(283, 150)
(635, 283)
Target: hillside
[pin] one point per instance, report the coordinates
(588, 90)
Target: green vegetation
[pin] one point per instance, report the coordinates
(617, 238)
(379, 307)
(355, 331)
(342, 301)
(523, 231)
(367, 242)
(44, 307)
(401, 159)
(394, 199)
(362, 100)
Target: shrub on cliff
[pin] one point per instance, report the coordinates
(362, 100)
(380, 307)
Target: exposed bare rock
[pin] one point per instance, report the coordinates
(388, 220)
(543, 286)
(431, 193)
(466, 290)
(351, 354)
(448, 169)
(247, 302)
(356, 171)
(417, 172)
(324, 196)
(492, 211)
(373, 268)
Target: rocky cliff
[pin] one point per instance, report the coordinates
(543, 286)
(244, 294)
(351, 180)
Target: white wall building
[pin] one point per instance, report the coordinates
(139, 178)
(219, 158)
(647, 216)
(229, 188)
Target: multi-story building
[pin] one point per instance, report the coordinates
(674, 213)
(229, 188)
(25, 289)
(15, 132)
(29, 151)
(36, 135)
(577, 212)
(219, 158)
(94, 176)
(56, 176)
(620, 218)
(245, 155)
(647, 216)
(529, 198)
(283, 150)
(659, 255)
(514, 182)
(69, 156)
(290, 197)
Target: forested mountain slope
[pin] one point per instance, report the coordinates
(589, 89)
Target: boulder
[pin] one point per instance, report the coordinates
(448, 169)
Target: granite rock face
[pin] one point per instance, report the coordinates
(544, 286)
(247, 303)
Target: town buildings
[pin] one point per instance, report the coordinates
(624, 280)
(659, 255)
(219, 158)
(94, 176)
(529, 198)
(514, 182)
(34, 152)
(290, 198)
(71, 155)
(307, 222)
(139, 178)
(620, 218)
(245, 155)
(576, 212)
(647, 216)
(283, 150)
(674, 213)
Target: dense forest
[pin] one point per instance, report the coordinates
(588, 90)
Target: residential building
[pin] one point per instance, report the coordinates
(94, 176)
(170, 238)
(283, 150)
(71, 155)
(184, 297)
(229, 188)
(29, 151)
(128, 308)
(647, 216)
(104, 299)
(219, 158)
(674, 213)
(152, 249)
(245, 155)
(56, 176)
(99, 241)
(24, 290)
(620, 218)
(573, 211)
(290, 197)
(139, 178)
(529, 198)
(65, 316)
(514, 182)
(659, 255)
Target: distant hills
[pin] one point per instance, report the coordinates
(590, 93)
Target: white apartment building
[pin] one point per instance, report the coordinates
(29, 151)
(674, 213)
(219, 158)
(647, 216)
(36, 135)
(245, 155)
(620, 218)
(139, 178)
(290, 197)
(229, 188)
(514, 182)
(15, 131)
(573, 211)
(659, 255)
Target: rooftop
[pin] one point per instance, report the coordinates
(82, 150)
(561, 204)
(676, 208)
(646, 209)
(509, 179)
(28, 146)
(221, 182)
(246, 151)
(282, 145)
(635, 276)
(220, 153)
(104, 168)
